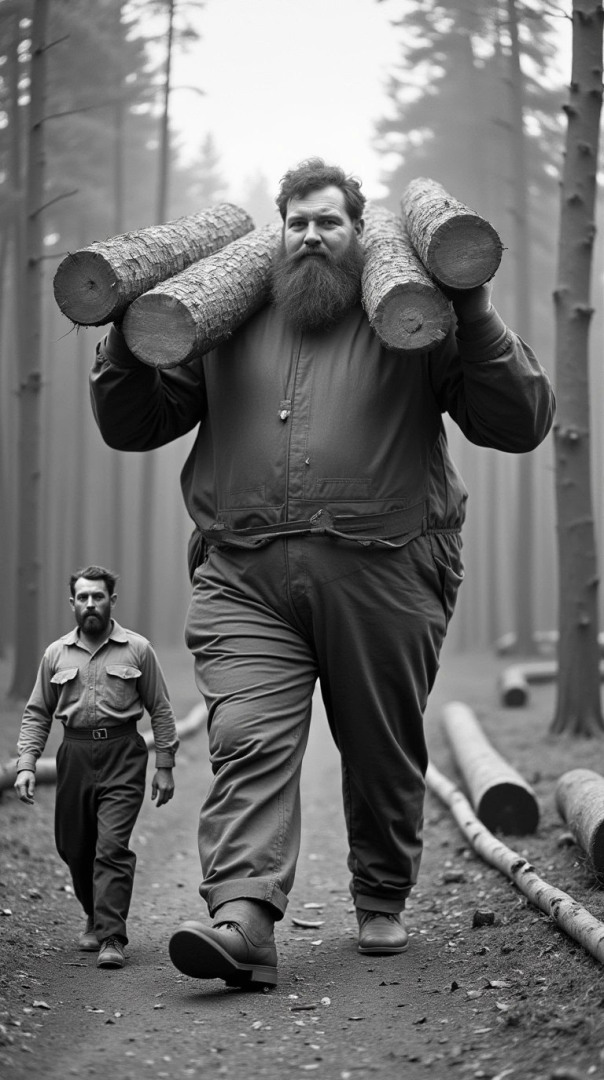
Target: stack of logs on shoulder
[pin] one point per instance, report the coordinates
(182, 288)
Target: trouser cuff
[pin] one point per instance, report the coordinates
(249, 889)
(363, 902)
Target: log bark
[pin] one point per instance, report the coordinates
(405, 309)
(96, 284)
(580, 803)
(458, 247)
(501, 797)
(569, 915)
(198, 309)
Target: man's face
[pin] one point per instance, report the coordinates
(319, 224)
(92, 606)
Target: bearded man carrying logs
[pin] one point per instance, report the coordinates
(327, 546)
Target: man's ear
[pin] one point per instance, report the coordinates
(72, 601)
(112, 599)
(359, 227)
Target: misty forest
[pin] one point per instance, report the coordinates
(479, 100)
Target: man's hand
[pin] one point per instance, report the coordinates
(25, 785)
(470, 304)
(162, 787)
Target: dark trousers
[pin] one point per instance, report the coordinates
(264, 625)
(100, 788)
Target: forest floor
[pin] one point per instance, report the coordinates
(516, 999)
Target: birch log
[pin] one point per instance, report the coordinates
(580, 803)
(198, 309)
(405, 309)
(569, 915)
(501, 797)
(456, 245)
(94, 285)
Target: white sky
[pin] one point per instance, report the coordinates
(284, 80)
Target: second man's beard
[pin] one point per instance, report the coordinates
(314, 291)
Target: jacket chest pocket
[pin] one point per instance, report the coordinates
(67, 683)
(120, 687)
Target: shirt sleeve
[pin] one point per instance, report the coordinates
(493, 386)
(154, 696)
(37, 718)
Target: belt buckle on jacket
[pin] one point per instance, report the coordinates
(99, 733)
(321, 521)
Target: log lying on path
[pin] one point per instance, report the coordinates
(94, 285)
(570, 916)
(46, 768)
(513, 681)
(198, 309)
(405, 308)
(580, 803)
(458, 247)
(501, 797)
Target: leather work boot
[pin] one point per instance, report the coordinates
(381, 933)
(88, 941)
(225, 951)
(111, 954)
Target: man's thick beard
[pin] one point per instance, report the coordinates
(315, 291)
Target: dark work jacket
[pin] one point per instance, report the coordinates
(325, 431)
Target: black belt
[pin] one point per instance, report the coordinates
(100, 734)
(374, 528)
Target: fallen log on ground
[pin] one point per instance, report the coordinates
(569, 915)
(405, 308)
(458, 247)
(94, 285)
(513, 681)
(201, 307)
(46, 768)
(546, 642)
(501, 797)
(580, 803)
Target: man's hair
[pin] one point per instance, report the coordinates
(94, 573)
(314, 173)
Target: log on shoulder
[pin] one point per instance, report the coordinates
(580, 803)
(458, 247)
(200, 308)
(405, 308)
(500, 796)
(96, 284)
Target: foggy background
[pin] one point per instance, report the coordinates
(467, 93)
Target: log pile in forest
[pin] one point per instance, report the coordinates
(458, 247)
(405, 308)
(96, 284)
(580, 803)
(500, 796)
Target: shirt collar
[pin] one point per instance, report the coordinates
(117, 633)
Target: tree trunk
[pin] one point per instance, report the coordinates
(27, 654)
(96, 284)
(578, 707)
(580, 803)
(117, 464)
(500, 796)
(456, 245)
(201, 307)
(405, 308)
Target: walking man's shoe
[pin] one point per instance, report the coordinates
(381, 933)
(224, 951)
(88, 941)
(111, 954)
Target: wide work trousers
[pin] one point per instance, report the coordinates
(100, 789)
(264, 625)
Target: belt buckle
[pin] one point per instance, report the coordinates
(99, 733)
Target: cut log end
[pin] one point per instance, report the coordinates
(465, 252)
(510, 809)
(86, 290)
(160, 331)
(411, 319)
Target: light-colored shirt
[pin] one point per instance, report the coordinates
(105, 688)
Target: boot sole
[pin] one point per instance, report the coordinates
(199, 958)
(376, 950)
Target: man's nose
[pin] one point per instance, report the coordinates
(312, 236)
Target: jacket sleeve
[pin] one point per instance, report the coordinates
(37, 718)
(492, 386)
(138, 407)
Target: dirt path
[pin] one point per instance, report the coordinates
(516, 999)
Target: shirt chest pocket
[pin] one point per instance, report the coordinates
(120, 686)
(67, 685)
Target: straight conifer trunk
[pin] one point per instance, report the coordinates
(578, 706)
